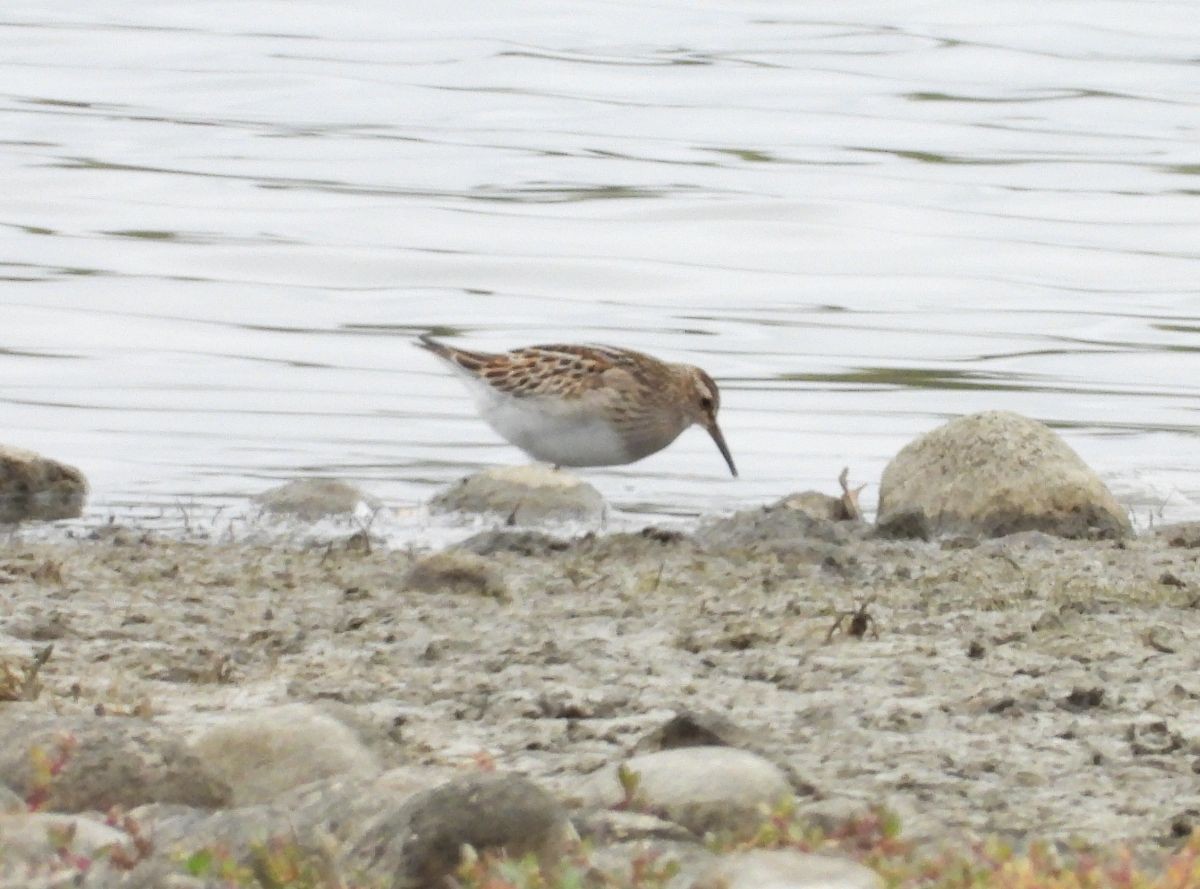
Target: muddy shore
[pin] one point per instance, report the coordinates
(1026, 685)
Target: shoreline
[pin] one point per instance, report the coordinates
(1021, 686)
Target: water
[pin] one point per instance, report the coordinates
(223, 224)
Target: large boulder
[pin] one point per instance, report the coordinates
(992, 474)
(523, 495)
(405, 828)
(34, 487)
(263, 753)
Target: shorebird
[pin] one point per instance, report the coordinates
(586, 405)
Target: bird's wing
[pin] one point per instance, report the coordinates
(557, 370)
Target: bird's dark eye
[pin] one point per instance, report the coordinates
(706, 403)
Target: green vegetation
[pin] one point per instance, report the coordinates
(276, 864)
(873, 839)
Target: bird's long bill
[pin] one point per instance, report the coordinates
(715, 431)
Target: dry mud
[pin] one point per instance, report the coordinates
(1022, 686)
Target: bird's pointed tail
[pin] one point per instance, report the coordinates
(469, 361)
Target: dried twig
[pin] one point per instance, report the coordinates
(849, 497)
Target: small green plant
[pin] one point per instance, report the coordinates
(630, 781)
(46, 766)
(874, 833)
(874, 839)
(62, 841)
(632, 799)
(278, 863)
(282, 864)
(216, 863)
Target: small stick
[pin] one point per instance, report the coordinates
(849, 497)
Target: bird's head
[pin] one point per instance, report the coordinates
(702, 401)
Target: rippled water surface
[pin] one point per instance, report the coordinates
(223, 224)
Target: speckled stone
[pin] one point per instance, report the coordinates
(992, 474)
(35, 487)
(262, 753)
(702, 788)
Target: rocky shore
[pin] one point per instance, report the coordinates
(380, 708)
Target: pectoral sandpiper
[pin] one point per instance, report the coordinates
(586, 405)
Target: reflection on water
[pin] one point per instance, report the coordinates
(224, 224)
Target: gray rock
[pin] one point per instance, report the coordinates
(179, 831)
(785, 869)
(262, 753)
(777, 527)
(420, 843)
(310, 499)
(702, 788)
(106, 761)
(337, 809)
(992, 474)
(407, 780)
(455, 571)
(523, 495)
(378, 728)
(341, 806)
(706, 728)
(34, 487)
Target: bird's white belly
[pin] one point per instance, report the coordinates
(554, 431)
